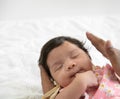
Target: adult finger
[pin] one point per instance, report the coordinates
(98, 43)
(114, 57)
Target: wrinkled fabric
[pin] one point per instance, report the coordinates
(109, 87)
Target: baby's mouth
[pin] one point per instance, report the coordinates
(73, 75)
(79, 71)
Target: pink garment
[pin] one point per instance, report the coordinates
(109, 85)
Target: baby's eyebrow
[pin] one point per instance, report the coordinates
(74, 50)
(56, 63)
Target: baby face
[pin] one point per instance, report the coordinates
(65, 61)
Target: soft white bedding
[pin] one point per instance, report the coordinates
(21, 41)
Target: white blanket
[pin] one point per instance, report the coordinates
(21, 41)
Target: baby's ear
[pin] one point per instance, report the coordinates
(55, 83)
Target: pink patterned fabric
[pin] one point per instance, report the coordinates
(109, 85)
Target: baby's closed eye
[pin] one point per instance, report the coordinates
(58, 67)
(75, 55)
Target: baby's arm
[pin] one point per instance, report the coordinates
(78, 86)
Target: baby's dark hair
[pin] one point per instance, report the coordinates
(53, 43)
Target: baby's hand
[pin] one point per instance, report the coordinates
(87, 78)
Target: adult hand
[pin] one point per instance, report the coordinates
(99, 43)
(46, 82)
(107, 50)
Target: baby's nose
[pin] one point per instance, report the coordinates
(71, 66)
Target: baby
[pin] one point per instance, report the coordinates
(68, 65)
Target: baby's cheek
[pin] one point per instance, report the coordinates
(60, 80)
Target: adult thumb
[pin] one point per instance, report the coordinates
(110, 50)
(112, 53)
(113, 56)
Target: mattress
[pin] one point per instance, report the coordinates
(21, 42)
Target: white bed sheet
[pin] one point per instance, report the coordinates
(21, 41)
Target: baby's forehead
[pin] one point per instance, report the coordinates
(73, 44)
(66, 47)
(69, 44)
